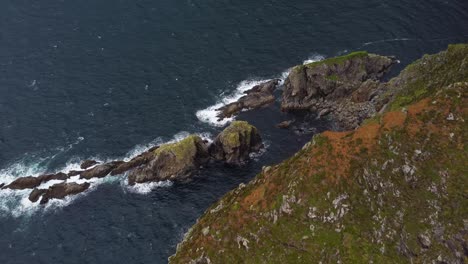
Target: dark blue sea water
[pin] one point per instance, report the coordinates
(106, 78)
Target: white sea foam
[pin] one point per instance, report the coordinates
(314, 58)
(210, 114)
(145, 188)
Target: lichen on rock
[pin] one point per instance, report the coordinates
(235, 143)
(173, 161)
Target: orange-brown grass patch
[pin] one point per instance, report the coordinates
(394, 119)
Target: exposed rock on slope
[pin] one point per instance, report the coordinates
(235, 143)
(256, 97)
(392, 191)
(342, 86)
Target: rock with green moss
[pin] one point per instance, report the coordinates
(235, 143)
(338, 86)
(174, 161)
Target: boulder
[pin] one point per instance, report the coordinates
(88, 163)
(100, 171)
(61, 190)
(1, 185)
(235, 143)
(36, 194)
(172, 161)
(259, 96)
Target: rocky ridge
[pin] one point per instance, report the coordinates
(172, 161)
(391, 191)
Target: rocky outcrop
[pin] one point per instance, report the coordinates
(172, 161)
(60, 191)
(100, 171)
(337, 86)
(391, 191)
(235, 143)
(137, 161)
(259, 96)
(88, 163)
(30, 182)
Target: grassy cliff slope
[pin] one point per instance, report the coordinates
(393, 191)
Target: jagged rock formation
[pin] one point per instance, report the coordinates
(391, 191)
(343, 86)
(259, 96)
(173, 161)
(235, 143)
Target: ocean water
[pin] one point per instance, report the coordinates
(107, 79)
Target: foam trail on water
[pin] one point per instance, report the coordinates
(145, 188)
(210, 114)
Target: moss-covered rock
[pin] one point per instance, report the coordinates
(173, 161)
(391, 191)
(235, 143)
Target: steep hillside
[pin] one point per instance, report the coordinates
(392, 191)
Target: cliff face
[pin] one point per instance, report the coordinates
(392, 191)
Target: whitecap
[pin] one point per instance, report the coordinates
(210, 114)
(314, 58)
(145, 188)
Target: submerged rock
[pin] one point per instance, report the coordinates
(258, 96)
(88, 163)
(100, 171)
(235, 143)
(285, 124)
(61, 190)
(172, 161)
(337, 86)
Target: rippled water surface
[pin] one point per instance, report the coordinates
(105, 79)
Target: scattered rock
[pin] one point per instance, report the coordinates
(285, 124)
(88, 163)
(100, 171)
(172, 161)
(61, 190)
(258, 96)
(235, 143)
(206, 231)
(36, 194)
(1, 185)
